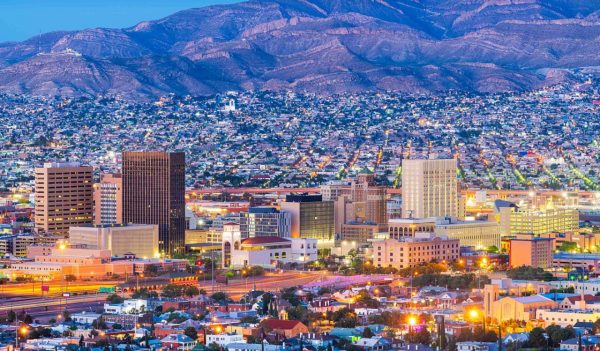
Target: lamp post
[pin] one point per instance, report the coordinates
(474, 314)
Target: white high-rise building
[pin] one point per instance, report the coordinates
(429, 188)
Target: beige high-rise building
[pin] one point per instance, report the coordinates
(429, 188)
(370, 204)
(108, 200)
(63, 197)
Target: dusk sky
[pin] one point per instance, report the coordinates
(21, 19)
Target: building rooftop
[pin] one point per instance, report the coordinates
(264, 240)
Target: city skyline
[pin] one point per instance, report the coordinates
(300, 175)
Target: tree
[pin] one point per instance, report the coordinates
(557, 334)
(11, 316)
(298, 313)
(172, 291)
(117, 326)
(99, 324)
(191, 332)
(537, 338)
(67, 315)
(114, 299)
(191, 291)
(266, 299)
(144, 294)
(249, 319)
(568, 246)
(345, 318)
(367, 333)
(220, 297)
(421, 337)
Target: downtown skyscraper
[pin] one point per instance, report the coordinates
(154, 193)
(63, 197)
(429, 188)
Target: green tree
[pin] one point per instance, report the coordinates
(114, 299)
(191, 291)
(568, 246)
(249, 319)
(191, 332)
(172, 291)
(420, 337)
(557, 334)
(537, 338)
(220, 297)
(11, 316)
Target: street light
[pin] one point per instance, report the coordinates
(412, 321)
(474, 314)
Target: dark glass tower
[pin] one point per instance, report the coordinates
(154, 193)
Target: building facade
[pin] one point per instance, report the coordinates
(527, 250)
(63, 197)
(478, 234)
(154, 193)
(108, 199)
(415, 251)
(312, 218)
(400, 228)
(265, 221)
(542, 221)
(120, 239)
(264, 251)
(429, 188)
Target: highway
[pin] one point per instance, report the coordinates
(47, 307)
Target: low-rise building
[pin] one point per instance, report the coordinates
(264, 251)
(224, 339)
(479, 234)
(179, 342)
(566, 317)
(78, 262)
(120, 239)
(522, 308)
(413, 252)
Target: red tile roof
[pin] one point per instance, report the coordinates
(281, 324)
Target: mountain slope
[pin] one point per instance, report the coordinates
(323, 46)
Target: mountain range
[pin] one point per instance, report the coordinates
(320, 46)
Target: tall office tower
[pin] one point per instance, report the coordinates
(63, 197)
(312, 218)
(369, 200)
(108, 200)
(154, 193)
(429, 188)
(265, 221)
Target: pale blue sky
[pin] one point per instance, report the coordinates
(21, 19)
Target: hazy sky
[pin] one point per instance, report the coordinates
(21, 19)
